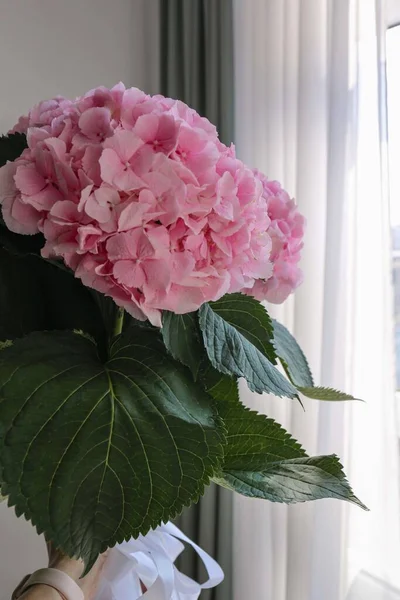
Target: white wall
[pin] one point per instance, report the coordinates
(50, 47)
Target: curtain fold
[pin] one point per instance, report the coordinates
(196, 66)
(197, 58)
(310, 112)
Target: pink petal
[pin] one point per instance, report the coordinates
(130, 244)
(132, 215)
(7, 184)
(44, 163)
(202, 161)
(124, 143)
(88, 238)
(127, 181)
(144, 247)
(64, 212)
(129, 273)
(168, 130)
(96, 211)
(118, 247)
(43, 200)
(91, 163)
(195, 225)
(95, 123)
(222, 243)
(146, 127)
(159, 238)
(28, 180)
(158, 183)
(157, 275)
(190, 140)
(110, 165)
(183, 265)
(226, 186)
(107, 196)
(181, 300)
(86, 191)
(57, 147)
(152, 314)
(20, 217)
(35, 135)
(131, 98)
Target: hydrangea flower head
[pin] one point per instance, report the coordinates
(142, 201)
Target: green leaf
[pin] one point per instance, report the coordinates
(262, 460)
(220, 387)
(35, 295)
(291, 356)
(293, 480)
(27, 245)
(70, 305)
(108, 310)
(297, 369)
(18, 244)
(22, 308)
(250, 318)
(254, 440)
(5, 344)
(232, 354)
(182, 339)
(323, 393)
(96, 453)
(11, 147)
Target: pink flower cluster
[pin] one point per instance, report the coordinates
(140, 198)
(286, 231)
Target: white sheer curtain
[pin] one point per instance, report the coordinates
(310, 112)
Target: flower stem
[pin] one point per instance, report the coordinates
(119, 322)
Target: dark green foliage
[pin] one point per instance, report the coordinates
(102, 451)
(11, 147)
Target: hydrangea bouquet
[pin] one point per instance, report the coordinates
(135, 252)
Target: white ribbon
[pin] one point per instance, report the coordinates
(150, 559)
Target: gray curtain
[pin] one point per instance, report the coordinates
(196, 59)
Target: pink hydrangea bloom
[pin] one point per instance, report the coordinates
(286, 231)
(140, 198)
(43, 114)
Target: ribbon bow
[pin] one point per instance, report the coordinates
(150, 559)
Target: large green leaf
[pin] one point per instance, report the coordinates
(293, 480)
(182, 338)
(11, 147)
(262, 460)
(291, 356)
(250, 318)
(96, 453)
(232, 354)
